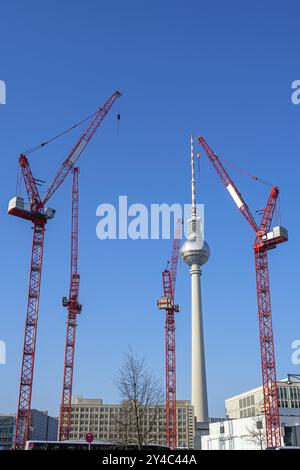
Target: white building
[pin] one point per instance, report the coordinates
(251, 403)
(244, 427)
(243, 433)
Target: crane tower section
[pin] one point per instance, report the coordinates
(74, 308)
(166, 302)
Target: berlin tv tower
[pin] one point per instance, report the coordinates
(195, 252)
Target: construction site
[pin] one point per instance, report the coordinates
(187, 294)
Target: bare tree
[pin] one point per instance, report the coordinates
(257, 434)
(141, 392)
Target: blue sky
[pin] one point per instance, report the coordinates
(219, 69)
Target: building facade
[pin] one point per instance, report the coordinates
(244, 427)
(248, 434)
(103, 420)
(42, 428)
(251, 403)
(7, 431)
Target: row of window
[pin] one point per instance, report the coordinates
(284, 394)
(117, 410)
(247, 412)
(182, 438)
(87, 428)
(246, 401)
(287, 404)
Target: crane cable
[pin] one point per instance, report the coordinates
(43, 144)
(57, 136)
(246, 173)
(278, 214)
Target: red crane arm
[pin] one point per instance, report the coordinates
(229, 184)
(30, 184)
(80, 146)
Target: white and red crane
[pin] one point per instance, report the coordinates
(36, 212)
(265, 240)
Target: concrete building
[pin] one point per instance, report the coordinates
(42, 427)
(244, 427)
(103, 420)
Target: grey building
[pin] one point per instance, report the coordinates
(42, 428)
(7, 430)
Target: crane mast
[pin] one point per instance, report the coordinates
(265, 239)
(32, 311)
(36, 212)
(74, 308)
(167, 303)
(267, 353)
(39, 220)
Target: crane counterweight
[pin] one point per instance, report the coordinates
(19, 208)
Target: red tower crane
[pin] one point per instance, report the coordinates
(265, 239)
(74, 308)
(37, 212)
(166, 302)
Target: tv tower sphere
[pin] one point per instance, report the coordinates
(195, 250)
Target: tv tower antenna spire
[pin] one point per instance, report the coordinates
(194, 212)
